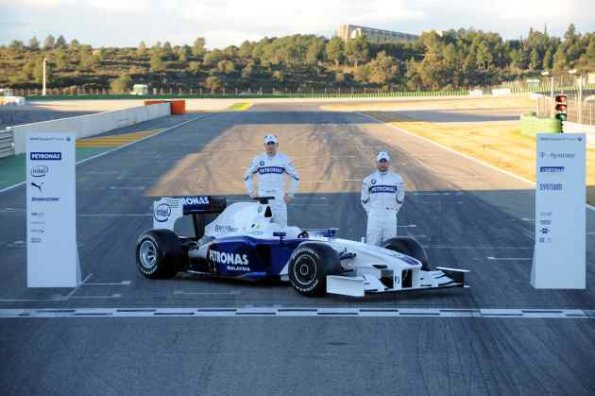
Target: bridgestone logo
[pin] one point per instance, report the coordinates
(49, 156)
(228, 258)
(45, 199)
(551, 169)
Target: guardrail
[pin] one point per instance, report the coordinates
(276, 95)
(6, 143)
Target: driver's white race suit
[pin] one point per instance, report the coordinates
(382, 196)
(271, 172)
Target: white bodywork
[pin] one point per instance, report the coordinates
(366, 268)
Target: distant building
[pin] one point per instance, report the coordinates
(375, 36)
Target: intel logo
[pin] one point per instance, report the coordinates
(39, 171)
(162, 212)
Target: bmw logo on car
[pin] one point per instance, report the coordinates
(162, 212)
(39, 171)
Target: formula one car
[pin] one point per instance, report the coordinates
(242, 242)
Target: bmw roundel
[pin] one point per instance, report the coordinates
(373, 181)
(261, 163)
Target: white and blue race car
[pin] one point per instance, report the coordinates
(242, 242)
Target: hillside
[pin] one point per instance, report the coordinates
(298, 63)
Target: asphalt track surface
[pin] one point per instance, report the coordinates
(467, 215)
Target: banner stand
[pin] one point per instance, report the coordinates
(559, 259)
(52, 250)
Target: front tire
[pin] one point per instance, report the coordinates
(411, 248)
(159, 254)
(309, 266)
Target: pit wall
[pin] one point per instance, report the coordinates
(90, 124)
(530, 125)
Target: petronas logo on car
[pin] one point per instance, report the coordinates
(228, 258)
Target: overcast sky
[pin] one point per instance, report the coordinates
(225, 22)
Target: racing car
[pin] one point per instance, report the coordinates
(242, 242)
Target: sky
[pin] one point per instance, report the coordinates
(123, 23)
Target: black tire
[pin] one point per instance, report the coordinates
(309, 265)
(159, 254)
(411, 248)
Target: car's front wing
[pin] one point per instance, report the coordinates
(358, 286)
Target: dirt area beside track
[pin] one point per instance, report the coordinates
(516, 102)
(499, 143)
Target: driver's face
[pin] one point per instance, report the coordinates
(271, 148)
(382, 165)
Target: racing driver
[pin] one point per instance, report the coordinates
(382, 195)
(271, 167)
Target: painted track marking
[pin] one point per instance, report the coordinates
(190, 312)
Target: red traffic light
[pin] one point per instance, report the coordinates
(561, 98)
(561, 107)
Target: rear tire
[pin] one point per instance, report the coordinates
(159, 254)
(309, 266)
(411, 248)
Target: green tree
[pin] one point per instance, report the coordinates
(548, 59)
(245, 50)
(315, 52)
(74, 45)
(16, 45)
(560, 59)
(213, 83)
(166, 50)
(213, 57)
(198, 47)
(193, 67)
(156, 62)
(121, 85)
(60, 59)
(383, 69)
(34, 44)
(357, 50)
(141, 50)
(226, 67)
(335, 50)
(60, 42)
(183, 53)
(535, 62)
(49, 42)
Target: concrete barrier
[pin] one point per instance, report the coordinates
(501, 91)
(589, 130)
(90, 124)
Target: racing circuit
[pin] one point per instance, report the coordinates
(187, 335)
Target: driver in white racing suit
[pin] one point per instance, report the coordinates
(382, 195)
(271, 168)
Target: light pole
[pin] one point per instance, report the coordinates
(580, 94)
(547, 73)
(43, 88)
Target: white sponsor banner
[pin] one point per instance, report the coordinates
(560, 229)
(52, 253)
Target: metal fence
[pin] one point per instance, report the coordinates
(6, 143)
(580, 113)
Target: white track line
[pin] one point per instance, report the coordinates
(488, 165)
(119, 147)
(312, 312)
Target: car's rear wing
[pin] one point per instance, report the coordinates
(168, 210)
